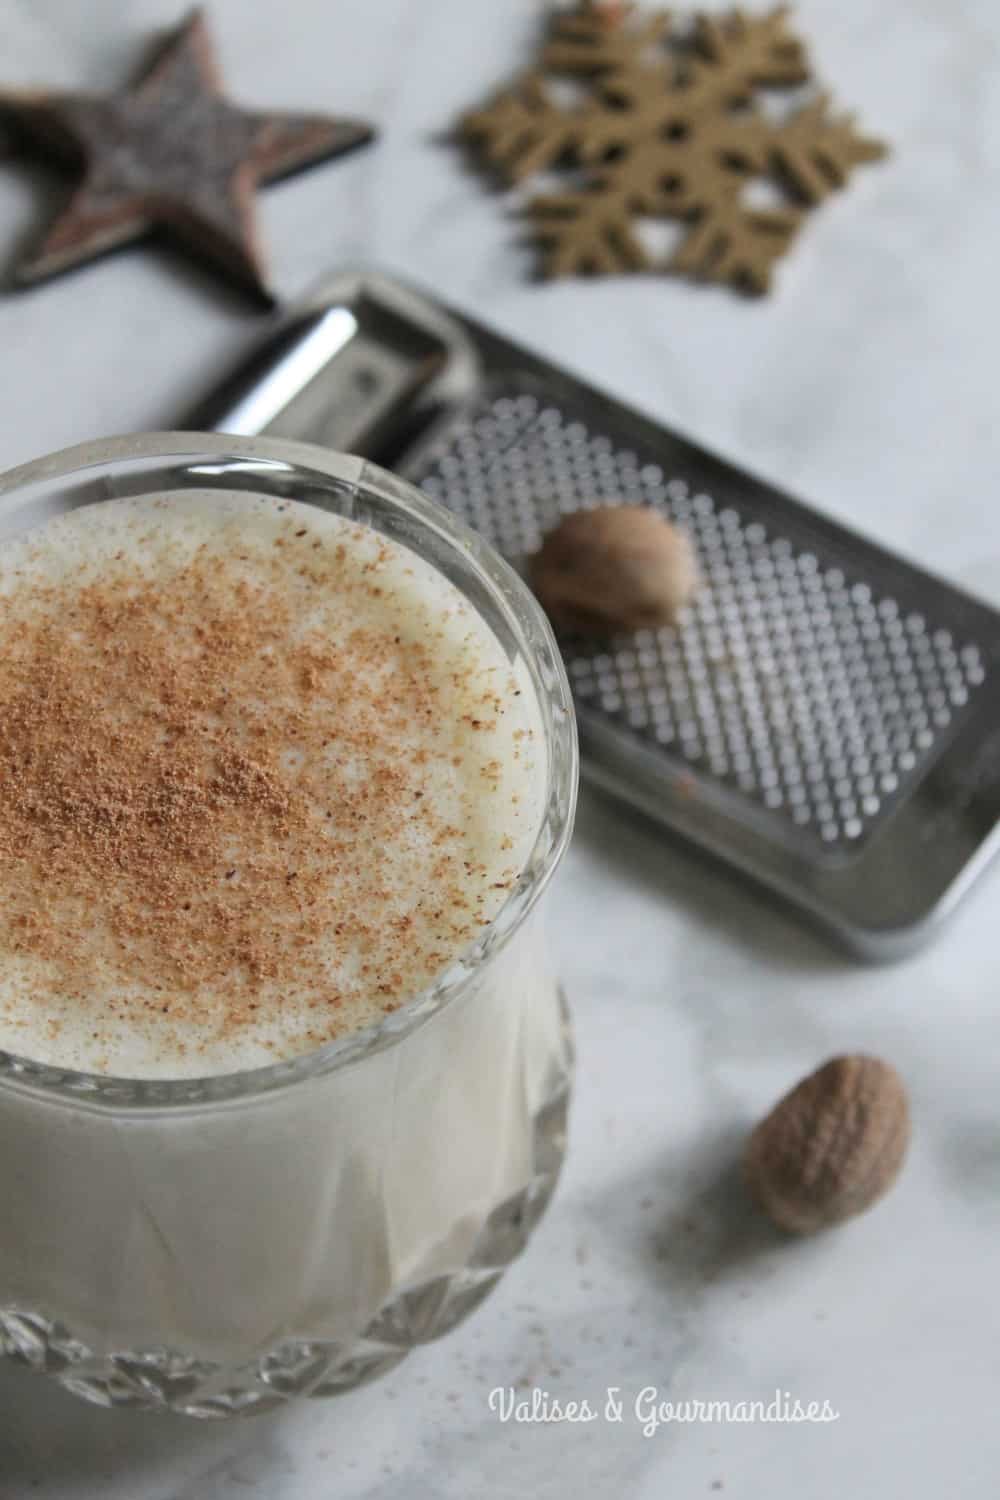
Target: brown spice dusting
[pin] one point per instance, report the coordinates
(190, 789)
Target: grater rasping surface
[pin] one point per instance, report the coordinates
(797, 685)
(820, 717)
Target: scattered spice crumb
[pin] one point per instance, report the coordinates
(212, 849)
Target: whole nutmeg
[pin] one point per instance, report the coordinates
(831, 1147)
(619, 567)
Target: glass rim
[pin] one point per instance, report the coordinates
(522, 614)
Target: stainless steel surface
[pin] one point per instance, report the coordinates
(820, 717)
(383, 364)
(794, 685)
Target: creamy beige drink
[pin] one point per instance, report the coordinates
(277, 799)
(263, 774)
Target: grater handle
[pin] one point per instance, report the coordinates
(327, 377)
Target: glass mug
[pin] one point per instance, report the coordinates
(220, 1245)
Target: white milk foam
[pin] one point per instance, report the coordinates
(381, 786)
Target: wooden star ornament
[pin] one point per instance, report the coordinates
(171, 153)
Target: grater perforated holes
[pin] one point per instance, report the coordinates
(802, 689)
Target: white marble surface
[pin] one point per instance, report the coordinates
(868, 384)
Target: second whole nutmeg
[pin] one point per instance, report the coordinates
(832, 1146)
(614, 568)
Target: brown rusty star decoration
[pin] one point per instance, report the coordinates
(172, 154)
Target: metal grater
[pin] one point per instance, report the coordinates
(819, 717)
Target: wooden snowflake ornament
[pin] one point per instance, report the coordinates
(668, 125)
